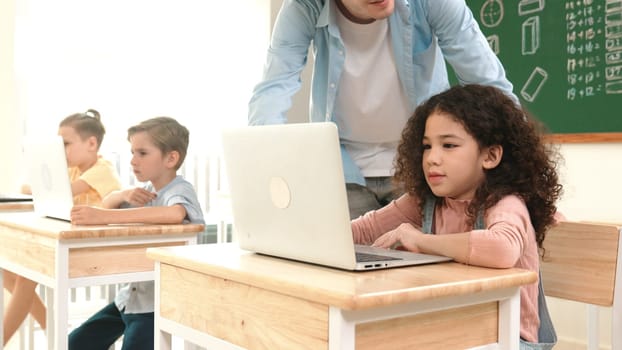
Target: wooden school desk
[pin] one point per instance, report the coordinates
(221, 297)
(62, 256)
(16, 206)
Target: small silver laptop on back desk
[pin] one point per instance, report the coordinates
(49, 177)
(289, 197)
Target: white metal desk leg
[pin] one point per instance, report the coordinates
(341, 332)
(191, 346)
(61, 305)
(509, 322)
(21, 334)
(616, 324)
(162, 340)
(30, 333)
(592, 327)
(50, 316)
(61, 298)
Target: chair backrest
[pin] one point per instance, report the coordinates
(580, 262)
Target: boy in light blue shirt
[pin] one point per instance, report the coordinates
(159, 147)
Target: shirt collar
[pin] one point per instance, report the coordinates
(328, 18)
(325, 15)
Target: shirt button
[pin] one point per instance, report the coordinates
(340, 53)
(134, 289)
(327, 115)
(332, 85)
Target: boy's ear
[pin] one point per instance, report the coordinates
(171, 159)
(492, 156)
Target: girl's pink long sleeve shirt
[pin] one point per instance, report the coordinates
(507, 241)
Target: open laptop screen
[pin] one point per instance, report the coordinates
(49, 177)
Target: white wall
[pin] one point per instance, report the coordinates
(10, 126)
(186, 59)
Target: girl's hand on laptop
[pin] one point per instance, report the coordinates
(405, 235)
(138, 197)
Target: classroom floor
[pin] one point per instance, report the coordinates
(80, 310)
(40, 342)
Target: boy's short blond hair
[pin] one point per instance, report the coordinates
(166, 133)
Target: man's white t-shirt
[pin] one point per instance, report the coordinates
(371, 106)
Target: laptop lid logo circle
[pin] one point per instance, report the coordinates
(279, 192)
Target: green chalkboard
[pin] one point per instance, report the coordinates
(564, 58)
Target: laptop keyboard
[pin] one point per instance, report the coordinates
(366, 257)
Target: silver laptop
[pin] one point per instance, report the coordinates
(289, 198)
(49, 177)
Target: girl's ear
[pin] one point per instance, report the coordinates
(92, 143)
(492, 156)
(171, 159)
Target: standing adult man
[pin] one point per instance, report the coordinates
(375, 61)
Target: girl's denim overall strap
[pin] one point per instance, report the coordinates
(547, 337)
(428, 214)
(546, 333)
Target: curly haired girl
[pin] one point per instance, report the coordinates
(470, 155)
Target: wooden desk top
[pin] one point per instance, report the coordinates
(59, 229)
(10, 206)
(344, 289)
